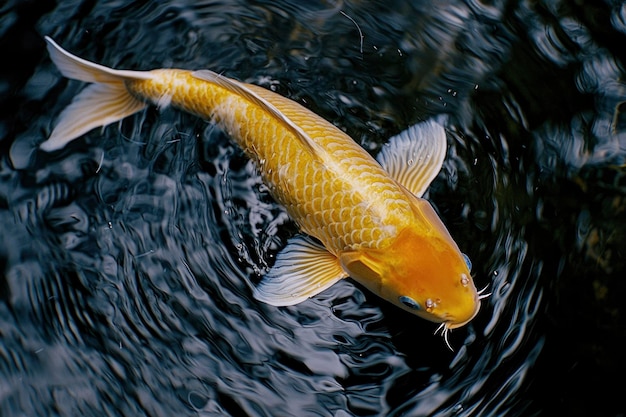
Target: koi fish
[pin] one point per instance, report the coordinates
(362, 217)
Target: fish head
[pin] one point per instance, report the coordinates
(422, 271)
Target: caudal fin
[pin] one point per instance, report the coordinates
(104, 102)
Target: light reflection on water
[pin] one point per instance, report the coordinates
(128, 256)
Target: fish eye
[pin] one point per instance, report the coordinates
(409, 302)
(467, 261)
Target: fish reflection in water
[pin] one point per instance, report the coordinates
(363, 218)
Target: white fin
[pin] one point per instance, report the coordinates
(243, 91)
(100, 104)
(414, 156)
(303, 269)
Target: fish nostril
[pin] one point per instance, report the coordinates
(465, 280)
(432, 304)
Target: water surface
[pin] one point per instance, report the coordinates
(127, 257)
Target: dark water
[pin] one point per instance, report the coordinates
(125, 258)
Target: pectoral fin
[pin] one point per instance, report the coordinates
(414, 156)
(303, 269)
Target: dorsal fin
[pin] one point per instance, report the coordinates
(243, 91)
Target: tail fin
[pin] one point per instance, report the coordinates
(104, 102)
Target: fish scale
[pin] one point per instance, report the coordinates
(323, 193)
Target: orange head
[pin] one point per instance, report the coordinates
(422, 271)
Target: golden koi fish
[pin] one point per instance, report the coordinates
(366, 215)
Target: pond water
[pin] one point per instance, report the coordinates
(126, 257)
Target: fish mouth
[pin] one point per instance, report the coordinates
(449, 323)
(453, 324)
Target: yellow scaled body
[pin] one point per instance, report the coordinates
(369, 220)
(330, 186)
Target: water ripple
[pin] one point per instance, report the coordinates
(129, 257)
